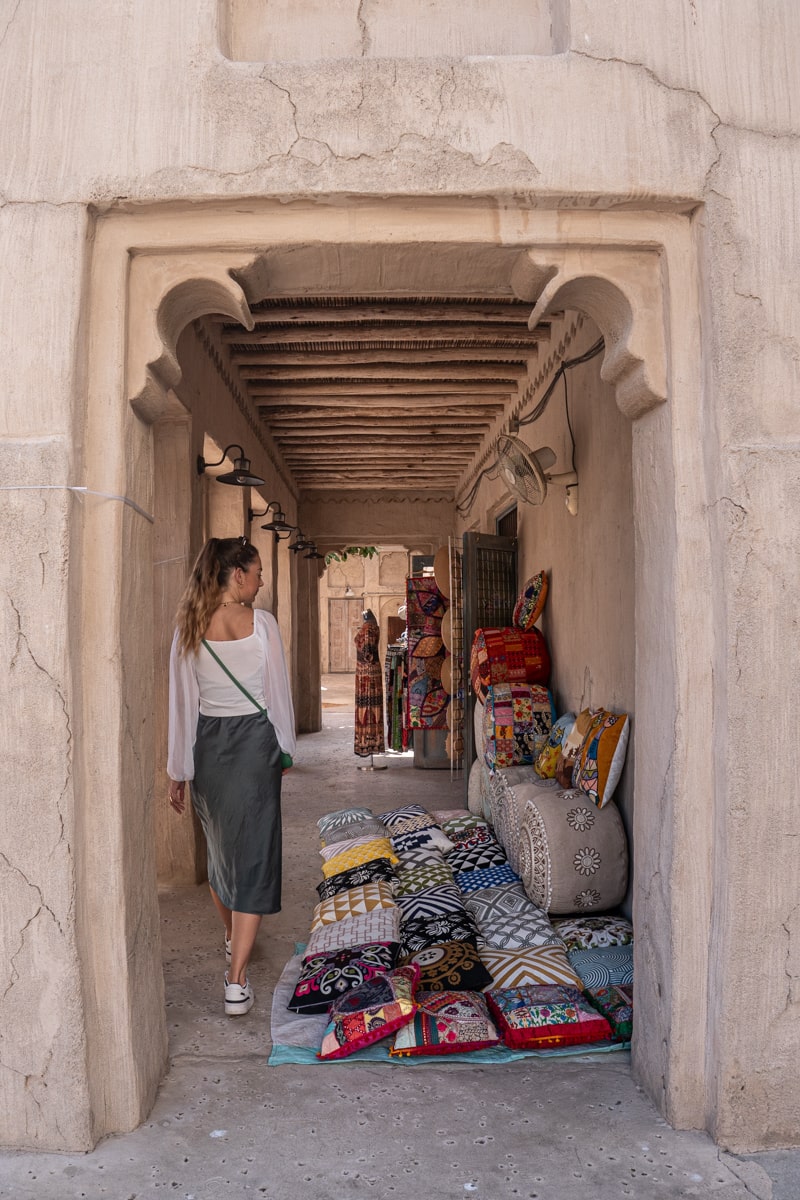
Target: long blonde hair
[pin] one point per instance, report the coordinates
(215, 563)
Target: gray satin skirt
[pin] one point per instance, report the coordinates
(236, 793)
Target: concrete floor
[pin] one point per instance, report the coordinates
(226, 1125)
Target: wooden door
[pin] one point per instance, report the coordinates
(344, 621)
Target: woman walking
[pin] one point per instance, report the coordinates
(231, 733)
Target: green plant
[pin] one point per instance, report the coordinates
(350, 552)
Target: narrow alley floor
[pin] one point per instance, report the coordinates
(227, 1125)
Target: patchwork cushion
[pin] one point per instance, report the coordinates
(325, 976)
(547, 759)
(348, 833)
(374, 1010)
(514, 716)
(606, 967)
(590, 933)
(507, 656)
(473, 881)
(518, 931)
(396, 816)
(417, 879)
(495, 903)
(355, 854)
(476, 858)
(536, 964)
(352, 902)
(380, 925)
(545, 1015)
(573, 857)
(430, 902)
(602, 756)
(420, 839)
(616, 1005)
(375, 870)
(450, 965)
(448, 1022)
(343, 816)
(531, 601)
(429, 931)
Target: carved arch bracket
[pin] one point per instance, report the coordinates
(622, 290)
(166, 301)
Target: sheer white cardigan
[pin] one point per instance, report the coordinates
(184, 698)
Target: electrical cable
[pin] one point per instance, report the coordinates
(466, 504)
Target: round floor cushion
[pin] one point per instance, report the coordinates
(510, 790)
(573, 857)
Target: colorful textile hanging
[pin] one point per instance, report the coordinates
(395, 673)
(427, 701)
(369, 692)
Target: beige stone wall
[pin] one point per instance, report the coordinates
(698, 117)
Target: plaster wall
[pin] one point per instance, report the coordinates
(589, 559)
(699, 116)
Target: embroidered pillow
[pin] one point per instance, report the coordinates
(421, 839)
(543, 1016)
(616, 1005)
(374, 871)
(354, 844)
(380, 848)
(602, 756)
(343, 816)
(507, 656)
(476, 858)
(396, 816)
(429, 931)
(324, 977)
(455, 966)
(426, 875)
(473, 881)
(352, 902)
(606, 967)
(518, 931)
(571, 743)
(449, 1022)
(547, 760)
(531, 602)
(590, 933)
(380, 925)
(374, 1010)
(349, 833)
(430, 902)
(536, 964)
(476, 835)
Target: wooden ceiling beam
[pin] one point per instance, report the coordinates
(434, 331)
(404, 354)
(343, 313)
(288, 390)
(398, 372)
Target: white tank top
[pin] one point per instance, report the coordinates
(244, 658)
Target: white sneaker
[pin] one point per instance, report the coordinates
(227, 950)
(238, 998)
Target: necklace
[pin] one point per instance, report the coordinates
(225, 603)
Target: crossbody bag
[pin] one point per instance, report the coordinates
(286, 759)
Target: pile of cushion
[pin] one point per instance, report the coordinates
(424, 933)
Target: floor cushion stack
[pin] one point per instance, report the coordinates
(427, 938)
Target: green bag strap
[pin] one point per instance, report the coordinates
(233, 679)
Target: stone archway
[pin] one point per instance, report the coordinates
(634, 273)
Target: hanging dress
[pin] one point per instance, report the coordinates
(369, 737)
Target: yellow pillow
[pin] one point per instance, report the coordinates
(352, 903)
(357, 854)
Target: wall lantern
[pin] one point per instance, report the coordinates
(240, 476)
(278, 524)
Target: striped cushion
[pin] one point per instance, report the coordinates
(343, 816)
(539, 964)
(430, 902)
(380, 925)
